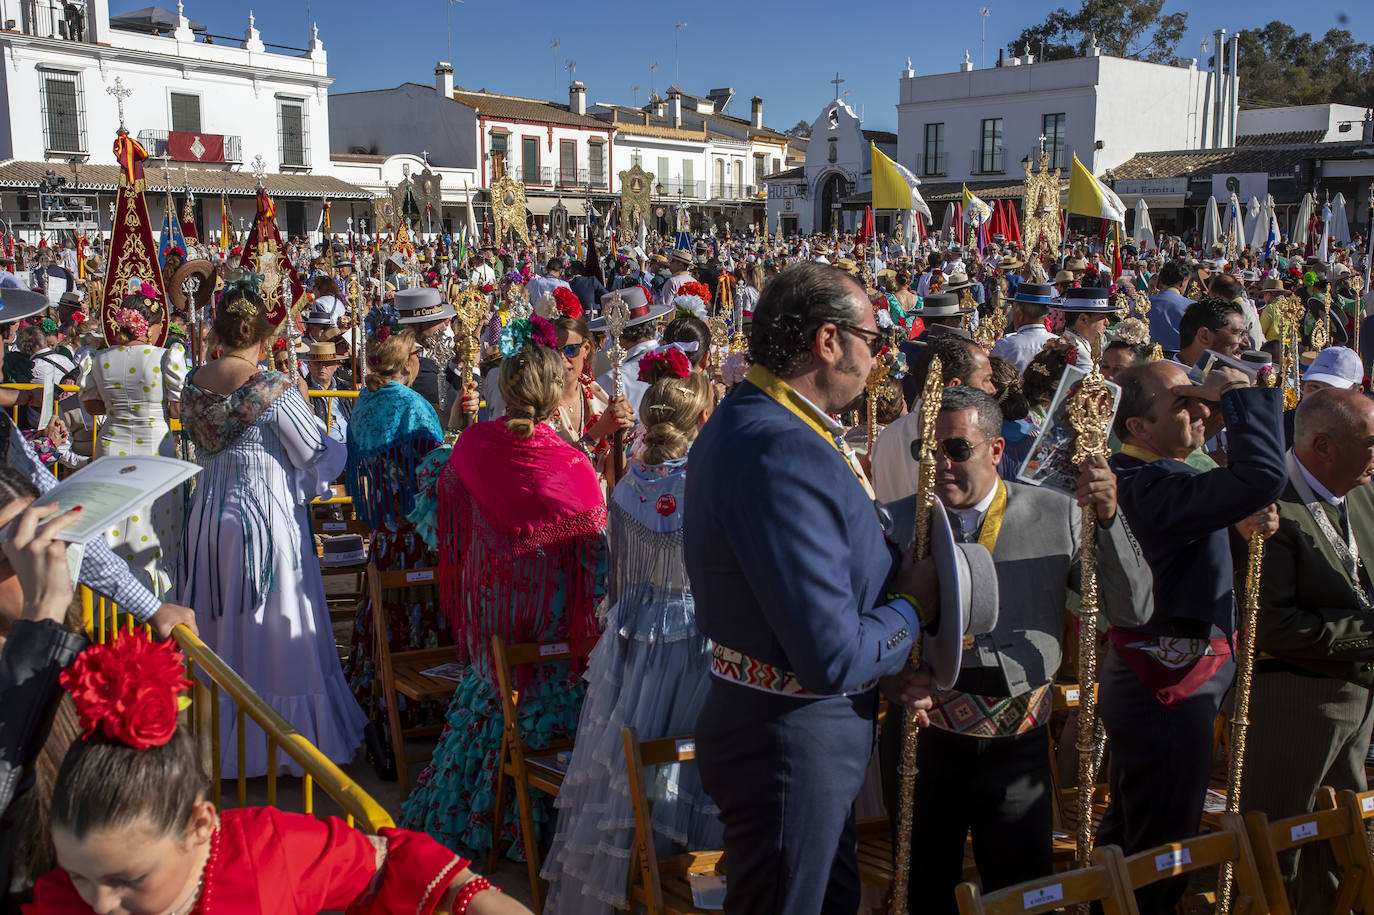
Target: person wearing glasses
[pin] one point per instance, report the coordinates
(639, 337)
(984, 764)
(805, 601)
(962, 362)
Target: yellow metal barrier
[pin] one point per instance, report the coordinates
(211, 676)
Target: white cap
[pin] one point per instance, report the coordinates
(1338, 366)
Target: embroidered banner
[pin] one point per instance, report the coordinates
(195, 147)
(133, 253)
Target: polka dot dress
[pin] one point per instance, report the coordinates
(135, 383)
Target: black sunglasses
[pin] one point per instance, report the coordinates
(874, 338)
(957, 450)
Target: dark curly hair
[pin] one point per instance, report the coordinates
(793, 305)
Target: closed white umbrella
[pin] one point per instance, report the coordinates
(1257, 234)
(1340, 223)
(1211, 227)
(1252, 217)
(1235, 224)
(947, 228)
(1302, 221)
(1144, 232)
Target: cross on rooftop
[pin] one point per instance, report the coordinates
(836, 82)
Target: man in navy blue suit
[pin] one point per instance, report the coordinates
(806, 601)
(1162, 682)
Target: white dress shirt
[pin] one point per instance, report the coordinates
(1022, 345)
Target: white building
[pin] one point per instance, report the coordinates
(979, 124)
(1299, 124)
(380, 137)
(211, 104)
(835, 183)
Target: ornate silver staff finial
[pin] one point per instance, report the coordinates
(259, 169)
(120, 93)
(617, 314)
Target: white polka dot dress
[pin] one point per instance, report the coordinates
(135, 383)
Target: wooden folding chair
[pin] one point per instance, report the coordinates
(875, 852)
(400, 672)
(662, 886)
(343, 605)
(1065, 798)
(1104, 881)
(527, 767)
(1355, 851)
(1230, 843)
(1336, 826)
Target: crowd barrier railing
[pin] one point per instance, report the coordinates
(212, 678)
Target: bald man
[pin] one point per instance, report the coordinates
(1311, 702)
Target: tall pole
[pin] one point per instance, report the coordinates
(677, 75)
(983, 37)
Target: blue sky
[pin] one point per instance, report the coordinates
(785, 52)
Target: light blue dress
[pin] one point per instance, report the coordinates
(650, 670)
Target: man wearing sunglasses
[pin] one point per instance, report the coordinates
(984, 764)
(805, 601)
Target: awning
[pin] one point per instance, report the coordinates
(542, 206)
(1161, 201)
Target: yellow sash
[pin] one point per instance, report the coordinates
(992, 521)
(797, 405)
(1139, 453)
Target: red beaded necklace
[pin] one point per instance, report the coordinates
(206, 885)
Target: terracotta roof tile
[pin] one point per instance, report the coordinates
(525, 109)
(18, 173)
(1286, 138)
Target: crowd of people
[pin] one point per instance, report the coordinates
(715, 510)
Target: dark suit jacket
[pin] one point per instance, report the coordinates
(1181, 516)
(1036, 557)
(785, 551)
(1309, 616)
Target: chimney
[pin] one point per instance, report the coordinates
(577, 97)
(675, 106)
(443, 78)
(756, 112)
(660, 108)
(1367, 128)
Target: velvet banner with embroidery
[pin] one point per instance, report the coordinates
(521, 525)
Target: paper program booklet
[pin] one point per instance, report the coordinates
(1050, 461)
(109, 489)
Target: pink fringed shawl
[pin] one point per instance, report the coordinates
(520, 524)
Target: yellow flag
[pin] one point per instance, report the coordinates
(1089, 197)
(890, 189)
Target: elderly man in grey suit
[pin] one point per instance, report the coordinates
(984, 763)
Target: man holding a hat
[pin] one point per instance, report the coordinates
(984, 764)
(1030, 305)
(679, 262)
(805, 600)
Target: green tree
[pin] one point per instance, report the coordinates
(1280, 66)
(799, 129)
(1138, 29)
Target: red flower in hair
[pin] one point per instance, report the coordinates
(1071, 355)
(669, 362)
(279, 344)
(568, 302)
(542, 332)
(488, 288)
(700, 290)
(128, 689)
(382, 333)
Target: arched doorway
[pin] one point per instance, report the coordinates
(833, 187)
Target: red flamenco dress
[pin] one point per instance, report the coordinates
(267, 862)
(521, 527)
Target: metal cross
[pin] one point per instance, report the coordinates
(836, 82)
(259, 169)
(120, 92)
(424, 154)
(1042, 143)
